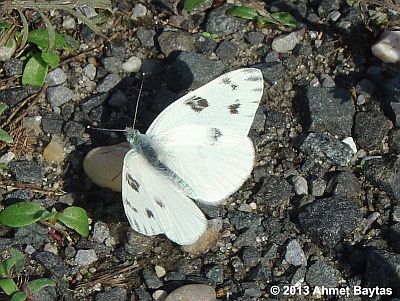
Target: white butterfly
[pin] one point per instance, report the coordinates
(196, 149)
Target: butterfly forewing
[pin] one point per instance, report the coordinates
(229, 102)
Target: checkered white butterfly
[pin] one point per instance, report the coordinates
(196, 149)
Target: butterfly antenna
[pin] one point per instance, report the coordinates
(104, 129)
(137, 101)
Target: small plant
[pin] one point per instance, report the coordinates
(190, 5)
(249, 13)
(4, 136)
(38, 62)
(26, 213)
(12, 265)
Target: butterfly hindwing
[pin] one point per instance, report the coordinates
(154, 205)
(229, 102)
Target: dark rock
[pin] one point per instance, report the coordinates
(86, 34)
(27, 171)
(205, 45)
(370, 128)
(245, 239)
(221, 23)
(344, 184)
(275, 191)
(142, 294)
(271, 57)
(191, 70)
(327, 148)
(34, 235)
(47, 293)
(74, 129)
(137, 244)
(385, 174)
(116, 49)
(108, 82)
(54, 264)
(174, 41)
(254, 37)
(394, 140)
(112, 64)
(112, 294)
(251, 289)
(275, 119)
(93, 101)
(259, 272)
(227, 50)
(322, 273)
(52, 123)
(331, 110)
(215, 273)
(14, 96)
(351, 23)
(272, 73)
(146, 37)
(326, 6)
(13, 67)
(250, 257)
(392, 92)
(383, 270)
(242, 220)
(151, 279)
(327, 221)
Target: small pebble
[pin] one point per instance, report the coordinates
(100, 232)
(85, 257)
(54, 151)
(294, 254)
(159, 295)
(193, 292)
(387, 49)
(300, 185)
(138, 11)
(133, 64)
(287, 42)
(90, 71)
(59, 95)
(160, 271)
(7, 157)
(109, 82)
(69, 23)
(56, 77)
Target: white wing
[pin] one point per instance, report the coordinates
(154, 205)
(226, 103)
(212, 163)
(202, 137)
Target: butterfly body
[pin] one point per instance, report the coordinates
(196, 149)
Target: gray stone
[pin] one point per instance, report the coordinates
(146, 37)
(370, 128)
(294, 254)
(331, 110)
(93, 101)
(56, 77)
(112, 294)
(215, 273)
(317, 187)
(246, 239)
(112, 64)
(300, 185)
(275, 191)
(191, 70)
(13, 67)
(344, 184)
(327, 221)
(227, 50)
(59, 95)
(254, 37)
(272, 73)
(322, 273)
(327, 148)
(175, 41)
(250, 257)
(385, 174)
(85, 257)
(100, 232)
(52, 123)
(27, 171)
(151, 279)
(242, 220)
(107, 83)
(34, 235)
(193, 292)
(221, 23)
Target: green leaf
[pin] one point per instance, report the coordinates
(38, 284)
(51, 58)
(35, 71)
(21, 214)
(19, 259)
(70, 43)
(6, 267)
(3, 165)
(190, 5)
(5, 137)
(3, 107)
(285, 19)
(40, 37)
(4, 25)
(8, 286)
(244, 12)
(19, 296)
(75, 218)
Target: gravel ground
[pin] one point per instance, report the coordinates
(321, 207)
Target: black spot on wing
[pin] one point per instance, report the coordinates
(233, 108)
(254, 78)
(197, 103)
(234, 87)
(132, 182)
(215, 134)
(127, 203)
(149, 213)
(257, 89)
(226, 80)
(159, 203)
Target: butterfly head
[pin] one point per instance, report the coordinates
(132, 135)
